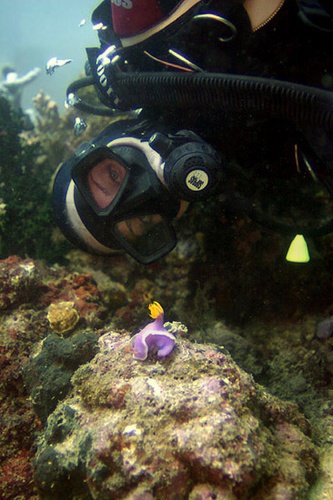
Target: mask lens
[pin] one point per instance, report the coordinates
(101, 178)
(146, 237)
(105, 180)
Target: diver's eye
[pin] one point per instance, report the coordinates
(114, 175)
(105, 180)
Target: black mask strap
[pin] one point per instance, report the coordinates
(317, 14)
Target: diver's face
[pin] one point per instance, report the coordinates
(138, 226)
(260, 10)
(105, 180)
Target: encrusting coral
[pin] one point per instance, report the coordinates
(62, 317)
(167, 429)
(27, 288)
(191, 421)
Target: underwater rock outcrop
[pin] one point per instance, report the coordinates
(27, 288)
(192, 425)
(173, 428)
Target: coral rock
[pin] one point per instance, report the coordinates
(192, 425)
(27, 288)
(18, 281)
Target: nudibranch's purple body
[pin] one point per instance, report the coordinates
(153, 336)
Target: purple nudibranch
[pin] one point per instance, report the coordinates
(153, 336)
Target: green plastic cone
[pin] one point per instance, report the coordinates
(298, 250)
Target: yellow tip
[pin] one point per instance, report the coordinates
(155, 309)
(298, 250)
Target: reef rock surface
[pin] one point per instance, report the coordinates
(192, 425)
(82, 419)
(27, 289)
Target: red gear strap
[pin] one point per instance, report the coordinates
(130, 17)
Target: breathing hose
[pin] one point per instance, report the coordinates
(300, 104)
(267, 98)
(83, 105)
(264, 97)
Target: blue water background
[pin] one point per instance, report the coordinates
(33, 31)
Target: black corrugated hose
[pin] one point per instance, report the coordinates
(300, 104)
(268, 98)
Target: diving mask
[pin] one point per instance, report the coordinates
(123, 191)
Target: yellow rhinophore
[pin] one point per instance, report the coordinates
(298, 250)
(155, 309)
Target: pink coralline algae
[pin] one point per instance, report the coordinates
(154, 336)
(18, 281)
(188, 426)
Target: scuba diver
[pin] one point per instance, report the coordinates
(12, 86)
(224, 98)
